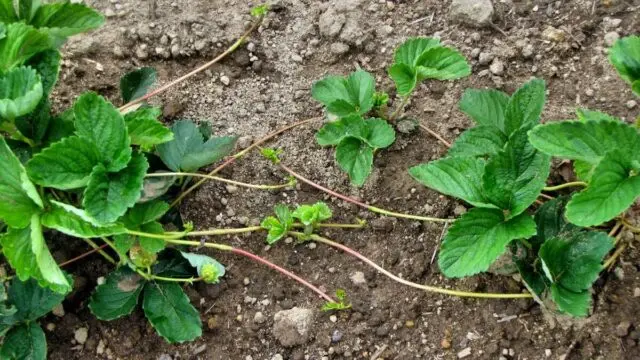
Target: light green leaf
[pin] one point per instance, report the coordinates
(514, 177)
(168, 309)
(19, 198)
(455, 176)
(583, 170)
(63, 19)
(144, 128)
(486, 107)
(32, 301)
(525, 106)
(143, 213)
(591, 115)
(312, 214)
(636, 87)
(47, 64)
(203, 265)
(77, 223)
(405, 77)
(135, 84)
(333, 132)
(124, 242)
(188, 151)
(625, 57)
(21, 42)
(27, 252)
(149, 244)
(20, 92)
(442, 63)
(483, 140)
(284, 215)
(611, 191)
(576, 304)
(275, 229)
(3, 29)
(478, 238)
(25, 342)
(64, 165)
(7, 13)
(380, 133)
(587, 141)
(356, 158)
(118, 296)
(346, 96)
(109, 195)
(99, 121)
(409, 52)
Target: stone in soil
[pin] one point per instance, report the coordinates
(622, 329)
(292, 327)
(81, 335)
(472, 12)
(358, 278)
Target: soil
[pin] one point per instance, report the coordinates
(268, 87)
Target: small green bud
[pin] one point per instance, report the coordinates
(260, 10)
(142, 258)
(209, 274)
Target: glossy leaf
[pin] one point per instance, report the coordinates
(77, 223)
(135, 84)
(356, 158)
(118, 296)
(25, 341)
(442, 63)
(380, 133)
(625, 57)
(313, 214)
(150, 244)
(32, 301)
(410, 51)
(345, 96)
(167, 308)
(208, 268)
(144, 128)
(483, 140)
(485, 107)
(63, 19)
(143, 213)
(576, 304)
(478, 238)
(525, 106)
(20, 43)
(20, 92)
(405, 78)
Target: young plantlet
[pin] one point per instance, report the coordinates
(312, 215)
(341, 304)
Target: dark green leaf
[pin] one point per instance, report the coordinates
(514, 177)
(333, 132)
(154, 187)
(550, 220)
(188, 151)
(19, 198)
(576, 304)
(346, 96)
(483, 140)
(20, 43)
(591, 115)
(99, 121)
(356, 158)
(63, 19)
(64, 165)
(118, 296)
(379, 133)
(171, 263)
(611, 191)
(20, 92)
(47, 64)
(149, 244)
(27, 9)
(109, 195)
(455, 176)
(25, 342)
(77, 223)
(478, 238)
(32, 301)
(60, 127)
(587, 141)
(625, 57)
(7, 13)
(135, 84)
(486, 107)
(143, 213)
(525, 106)
(144, 128)
(35, 124)
(168, 309)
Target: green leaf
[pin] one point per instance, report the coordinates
(277, 227)
(575, 260)
(188, 151)
(77, 223)
(149, 244)
(203, 265)
(64, 19)
(550, 220)
(35, 124)
(118, 296)
(19, 198)
(99, 121)
(144, 128)
(60, 127)
(32, 301)
(154, 187)
(583, 170)
(409, 52)
(356, 158)
(478, 238)
(27, 9)
(483, 140)
(168, 309)
(380, 133)
(636, 87)
(3, 29)
(591, 115)
(20, 43)
(124, 242)
(64, 165)
(587, 141)
(47, 64)
(346, 96)
(485, 107)
(27, 252)
(135, 84)
(442, 63)
(7, 13)
(20, 92)
(312, 214)
(455, 176)
(514, 177)
(143, 213)
(576, 304)
(333, 132)
(109, 195)
(525, 106)
(611, 191)
(625, 57)
(284, 215)
(405, 77)
(25, 342)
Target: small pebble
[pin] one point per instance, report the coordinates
(464, 353)
(333, 318)
(225, 80)
(297, 58)
(547, 352)
(497, 67)
(81, 335)
(636, 292)
(622, 329)
(610, 38)
(259, 318)
(631, 104)
(357, 278)
(246, 281)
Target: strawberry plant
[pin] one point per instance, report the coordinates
(349, 99)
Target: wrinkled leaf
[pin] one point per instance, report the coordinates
(63, 19)
(206, 266)
(345, 96)
(625, 57)
(155, 187)
(135, 84)
(32, 301)
(77, 223)
(144, 128)
(485, 107)
(118, 296)
(25, 342)
(167, 308)
(483, 140)
(525, 106)
(20, 92)
(20, 43)
(442, 63)
(409, 52)
(356, 158)
(150, 244)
